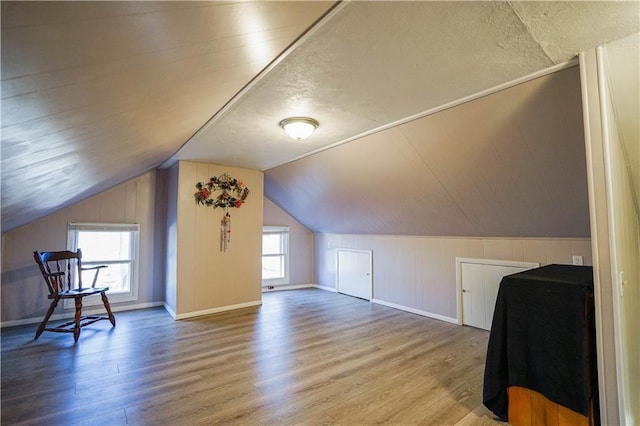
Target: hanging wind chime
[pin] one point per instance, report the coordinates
(233, 194)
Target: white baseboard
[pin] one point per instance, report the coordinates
(265, 289)
(97, 310)
(325, 288)
(171, 311)
(214, 310)
(69, 315)
(299, 286)
(416, 311)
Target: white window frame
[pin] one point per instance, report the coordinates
(72, 244)
(284, 231)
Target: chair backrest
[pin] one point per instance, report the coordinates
(58, 269)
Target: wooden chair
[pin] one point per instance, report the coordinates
(58, 268)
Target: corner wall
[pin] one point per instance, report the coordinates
(200, 278)
(300, 243)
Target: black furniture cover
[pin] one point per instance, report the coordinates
(543, 338)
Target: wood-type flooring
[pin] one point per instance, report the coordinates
(305, 357)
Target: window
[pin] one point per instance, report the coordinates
(114, 245)
(275, 255)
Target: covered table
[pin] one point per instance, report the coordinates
(543, 340)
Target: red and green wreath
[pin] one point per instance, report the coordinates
(232, 192)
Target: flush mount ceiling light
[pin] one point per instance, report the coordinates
(299, 127)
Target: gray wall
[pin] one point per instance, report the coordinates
(510, 164)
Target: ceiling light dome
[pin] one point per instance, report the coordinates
(299, 127)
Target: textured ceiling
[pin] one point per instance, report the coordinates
(370, 64)
(94, 93)
(511, 164)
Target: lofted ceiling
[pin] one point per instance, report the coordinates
(95, 93)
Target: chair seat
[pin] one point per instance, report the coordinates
(75, 292)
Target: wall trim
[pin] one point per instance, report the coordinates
(602, 285)
(606, 101)
(170, 311)
(283, 287)
(325, 288)
(69, 315)
(416, 311)
(399, 307)
(458, 237)
(216, 310)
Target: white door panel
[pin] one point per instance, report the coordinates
(493, 276)
(480, 285)
(473, 297)
(354, 273)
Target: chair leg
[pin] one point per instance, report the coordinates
(44, 322)
(76, 328)
(112, 319)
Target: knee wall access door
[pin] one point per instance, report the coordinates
(354, 273)
(479, 281)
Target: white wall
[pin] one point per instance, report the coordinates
(614, 228)
(419, 273)
(200, 278)
(24, 293)
(621, 60)
(300, 243)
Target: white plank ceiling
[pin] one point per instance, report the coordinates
(94, 93)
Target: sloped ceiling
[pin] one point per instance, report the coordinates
(508, 164)
(94, 93)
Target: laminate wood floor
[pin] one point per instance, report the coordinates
(304, 357)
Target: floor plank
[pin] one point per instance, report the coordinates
(303, 357)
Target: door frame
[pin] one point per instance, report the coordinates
(370, 253)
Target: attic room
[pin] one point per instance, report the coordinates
(444, 133)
